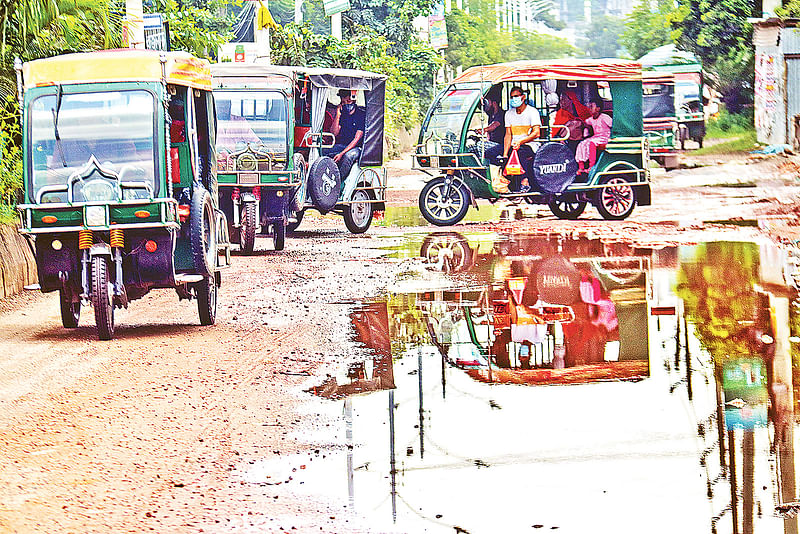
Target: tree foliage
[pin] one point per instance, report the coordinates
(603, 37)
(474, 40)
(718, 33)
(199, 27)
(647, 29)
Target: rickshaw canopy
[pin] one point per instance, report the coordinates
(124, 65)
(570, 69)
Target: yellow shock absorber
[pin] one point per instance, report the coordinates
(117, 238)
(85, 239)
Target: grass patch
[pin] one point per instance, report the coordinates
(8, 215)
(740, 143)
(734, 185)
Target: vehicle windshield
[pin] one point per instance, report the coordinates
(259, 118)
(443, 132)
(116, 127)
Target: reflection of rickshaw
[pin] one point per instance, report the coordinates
(110, 219)
(541, 309)
(452, 151)
(660, 122)
(273, 164)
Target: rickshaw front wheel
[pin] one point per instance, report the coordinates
(564, 207)
(203, 234)
(443, 203)
(358, 214)
(279, 236)
(616, 202)
(102, 298)
(70, 310)
(207, 300)
(247, 232)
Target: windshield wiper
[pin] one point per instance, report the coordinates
(55, 124)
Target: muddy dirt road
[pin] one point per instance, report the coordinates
(153, 430)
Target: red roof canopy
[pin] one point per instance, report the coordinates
(566, 69)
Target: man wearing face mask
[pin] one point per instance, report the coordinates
(493, 146)
(522, 128)
(348, 127)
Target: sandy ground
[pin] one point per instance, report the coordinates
(153, 430)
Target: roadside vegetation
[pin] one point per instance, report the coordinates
(736, 131)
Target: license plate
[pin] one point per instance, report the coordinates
(248, 177)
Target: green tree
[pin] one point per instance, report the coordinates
(647, 29)
(719, 34)
(199, 27)
(603, 37)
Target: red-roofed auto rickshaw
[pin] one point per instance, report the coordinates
(120, 180)
(452, 144)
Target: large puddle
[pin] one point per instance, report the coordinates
(517, 383)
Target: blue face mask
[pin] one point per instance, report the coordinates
(516, 101)
(349, 107)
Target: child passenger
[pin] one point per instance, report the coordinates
(601, 128)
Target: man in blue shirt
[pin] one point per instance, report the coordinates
(348, 127)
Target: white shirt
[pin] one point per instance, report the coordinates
(521, 124)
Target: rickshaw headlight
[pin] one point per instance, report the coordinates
(56, 244)
(95, 216)
(98, 190)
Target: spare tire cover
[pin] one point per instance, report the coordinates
(324, 183)
(554, 167)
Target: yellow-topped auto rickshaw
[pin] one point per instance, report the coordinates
(120, 180)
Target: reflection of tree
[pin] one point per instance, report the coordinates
(719, 297)
(407, 326)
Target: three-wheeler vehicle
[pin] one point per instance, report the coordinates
(452, 141)
(659, 117)
(274, 127)
(120, 182)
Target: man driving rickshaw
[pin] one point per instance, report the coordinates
(452, 138)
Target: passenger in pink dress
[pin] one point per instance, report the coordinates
(601, 133)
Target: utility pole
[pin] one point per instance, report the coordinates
(298, 12)
(336, 25)
(134, 24)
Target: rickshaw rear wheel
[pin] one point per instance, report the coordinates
(207, 300)
(358, 214)
(247, 232)
(70, 310)
(617, 201)
(102, 298)
(442, 203)
(279, 236)
(565, 208)
(203, 234)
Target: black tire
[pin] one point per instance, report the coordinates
(700, 142)
(617, 202)
(202, 233)
(324, 184)
(247, 231)
(278, 236)
(447, 252)
(102, 298)
(443, 203)
(567, 208)
(207, 300)
(70, 310)
(358, 215)
(292, 226)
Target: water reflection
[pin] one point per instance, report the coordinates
(680, 416)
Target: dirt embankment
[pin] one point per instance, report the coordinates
(17, 264)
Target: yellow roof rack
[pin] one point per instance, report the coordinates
(122, 65)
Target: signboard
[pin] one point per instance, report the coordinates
(333, 7)
(156, 32)
(437, 30)
(239, 54)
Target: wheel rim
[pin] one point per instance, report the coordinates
(360, 209)
(617, 198)
(441, 204)
(447, 255)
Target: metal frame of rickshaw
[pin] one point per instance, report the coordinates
(474, 168)
(294, 183)
(162, 72)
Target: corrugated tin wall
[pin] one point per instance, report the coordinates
(769, 90)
